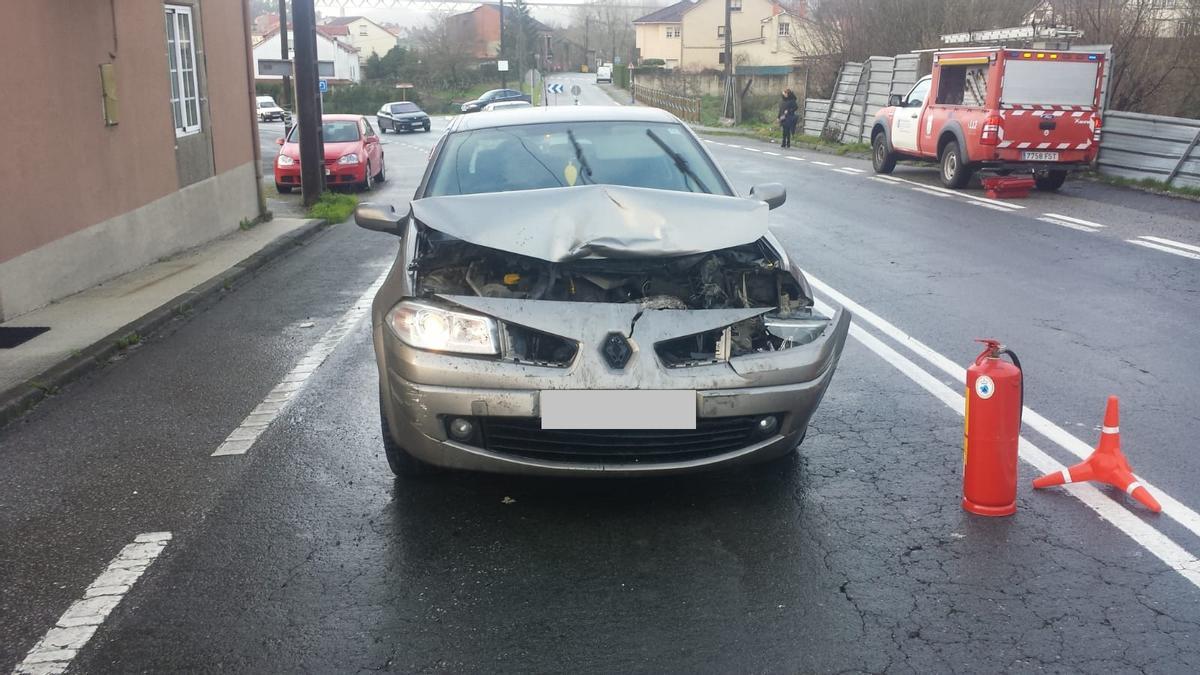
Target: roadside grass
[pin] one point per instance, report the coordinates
(333, 207)
(1148, 184)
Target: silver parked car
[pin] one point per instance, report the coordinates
(580, 291)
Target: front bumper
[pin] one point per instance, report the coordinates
(410, 124)
(422, 390)
(335, 174)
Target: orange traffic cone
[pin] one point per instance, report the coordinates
(1106, 464)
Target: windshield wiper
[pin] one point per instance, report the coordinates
(583, 163)
(680, 162)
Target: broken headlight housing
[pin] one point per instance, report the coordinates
(426, 326)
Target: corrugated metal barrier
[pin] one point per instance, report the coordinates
(1137, 146)
(861, 91)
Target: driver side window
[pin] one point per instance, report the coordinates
(917, 96)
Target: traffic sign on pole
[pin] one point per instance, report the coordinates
(323, 86)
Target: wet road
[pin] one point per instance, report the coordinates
(304, 554)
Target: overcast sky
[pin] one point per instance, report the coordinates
(418, 15)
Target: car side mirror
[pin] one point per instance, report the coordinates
(279, 141)
(379, 217)
(895, 101)
(774, 194)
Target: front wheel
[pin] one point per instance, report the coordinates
(381, 176)
(1049, 181)
(955, 172)
(426, 127)
(882, 160)
(368, 179)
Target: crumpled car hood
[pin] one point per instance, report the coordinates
(596, 221)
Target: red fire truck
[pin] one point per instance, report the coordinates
(997, 109)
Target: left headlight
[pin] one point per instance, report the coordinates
(351, 158)
(429, 327)
(284, 160)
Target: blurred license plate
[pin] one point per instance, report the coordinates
(1039, 156)
(619, 409)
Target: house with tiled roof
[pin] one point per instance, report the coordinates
(363, 34)
(691, 35)
(337, 60)
(480, 28)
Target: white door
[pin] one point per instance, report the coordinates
(907, 120)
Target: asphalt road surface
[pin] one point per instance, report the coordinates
(305, 555)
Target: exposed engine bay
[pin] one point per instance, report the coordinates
(746, 276)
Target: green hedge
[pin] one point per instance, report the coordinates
(620, 75)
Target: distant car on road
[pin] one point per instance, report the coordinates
(495, 96)
(267, 109)
(506, 105)
(400, 116)
(353, 154)
(580, 291)
(604, 73)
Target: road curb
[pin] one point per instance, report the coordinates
(18, 400)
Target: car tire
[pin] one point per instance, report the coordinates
(381, 176)
(882, 160)
(402, 464)
(1049, 181)
(954, 171)
(382, 129)
(283, 189)
(426, 127)
(368, 180)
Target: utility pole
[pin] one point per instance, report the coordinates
(727, 109)
(503, 73)
(308, 106)
(587, 20)
(283, 50)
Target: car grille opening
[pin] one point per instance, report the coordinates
(524, 437)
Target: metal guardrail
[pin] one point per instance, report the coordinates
(1137, 146)
(684, 107)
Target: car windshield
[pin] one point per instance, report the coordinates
(266, 104)
(405, 108)
(340, 131)
(491, 94)
(659, 155)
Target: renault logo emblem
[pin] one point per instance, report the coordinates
(616, 350)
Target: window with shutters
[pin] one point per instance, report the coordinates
(181, 66)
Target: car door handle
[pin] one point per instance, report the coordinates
(914, 116)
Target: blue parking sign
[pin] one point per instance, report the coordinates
(323, 85)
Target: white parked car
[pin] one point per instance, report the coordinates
(604, 73)
(267, 109)
(505, 105)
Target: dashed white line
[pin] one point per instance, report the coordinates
(1181, 513)
(243, 437)
(989, 206)
(846, 171)
(751, 149)
(1171, 242)
(922, 188)
(768, 152)
(1170, 553)
(734, 146)
(1077, 221)
(795, 158)
(58, 647)
(1165, 249)
(960, 194)
(821, 163)
(1066, 223)
(880, 180)
(851, 169)
(887, 179)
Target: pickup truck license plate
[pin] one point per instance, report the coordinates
(618, 409)
(1039, 156)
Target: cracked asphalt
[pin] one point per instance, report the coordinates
(855, 556)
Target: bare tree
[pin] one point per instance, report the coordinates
(446, 54)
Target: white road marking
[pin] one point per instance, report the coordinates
(1079, 221)
(243, 437)
(751, 149)
(1166, 249)
(1067, 223)
(793, 157)
(889, 179)
(58, 647)
(847, 172)
(768, 152)
(960, 194)
(1170, 242)
(929, 192)
(877, 178)
(1177, 511)
(1171, 554)
(821, 163)
(734, 146)
(989, 206)
(851, 169)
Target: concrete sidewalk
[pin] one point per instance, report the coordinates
(87, 329)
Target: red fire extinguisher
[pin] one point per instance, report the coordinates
(992, 425)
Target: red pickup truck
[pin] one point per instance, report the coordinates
(997, 109)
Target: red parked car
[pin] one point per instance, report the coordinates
(353, 154)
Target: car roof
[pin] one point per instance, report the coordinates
(340, 118)
(562, 113)
(395, 102)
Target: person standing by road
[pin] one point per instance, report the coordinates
(788, 116)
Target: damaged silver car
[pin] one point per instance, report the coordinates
(580, 291)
